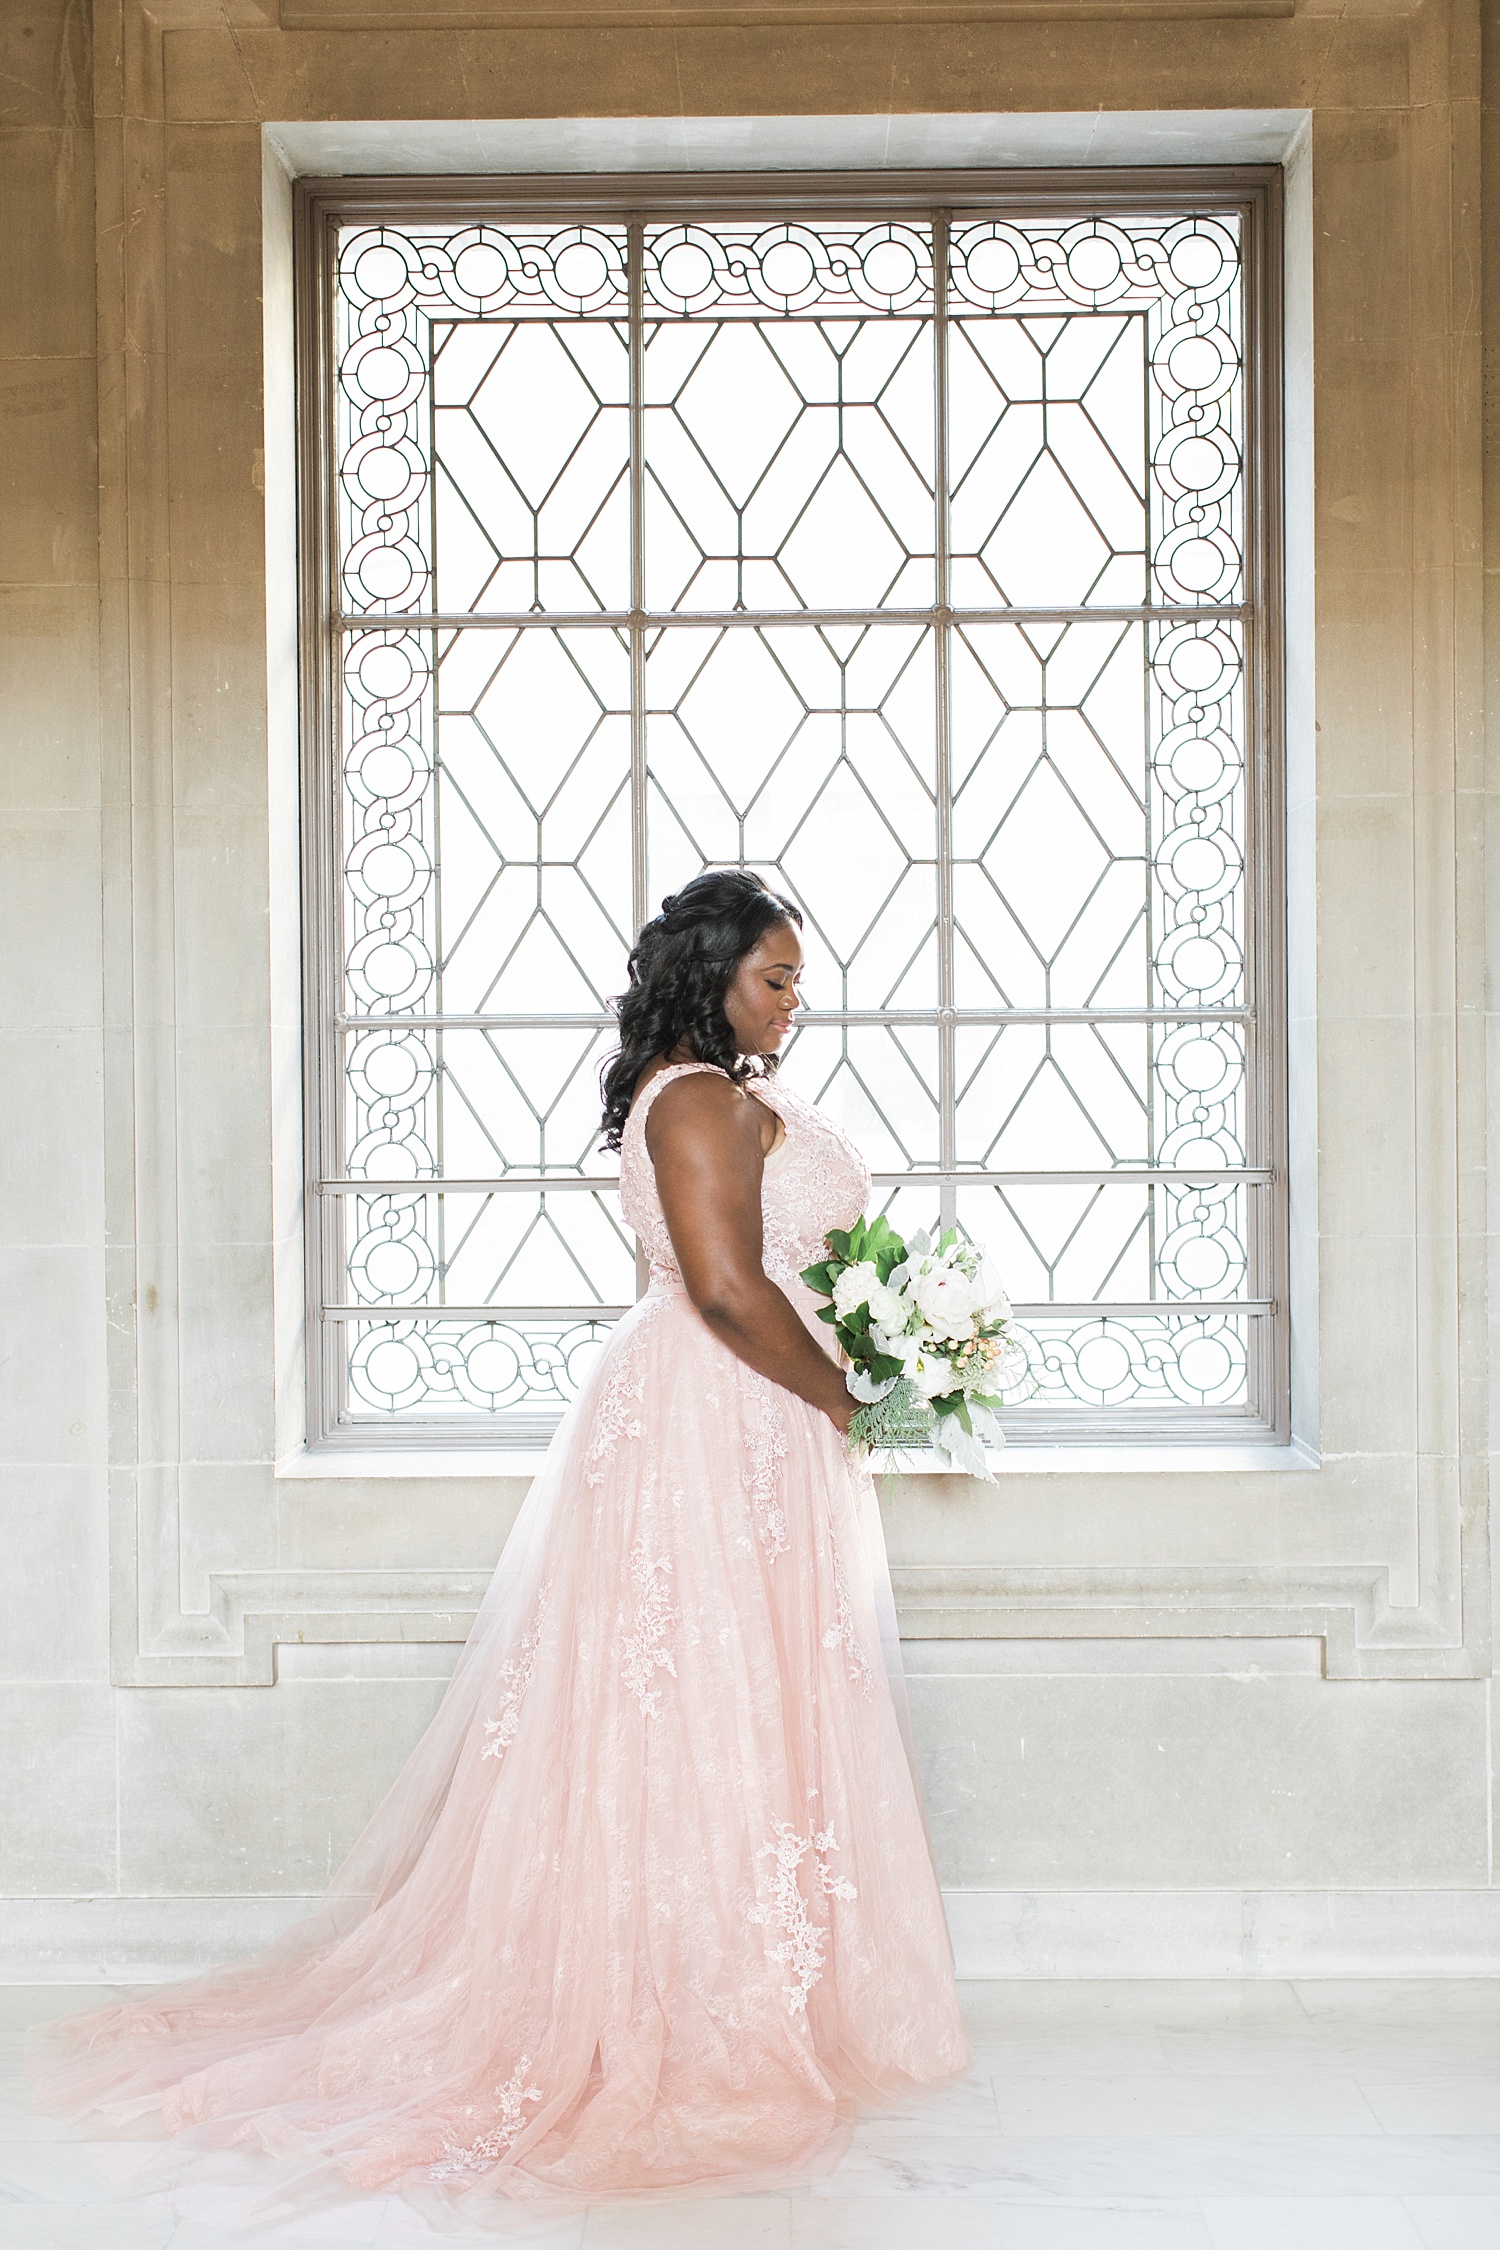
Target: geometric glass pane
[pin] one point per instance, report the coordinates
(531, 446)
(1050, 818)
(642, 565)
(809, 754)
(1048, 460)
(533, 798)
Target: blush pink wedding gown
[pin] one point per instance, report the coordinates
(651, 1907)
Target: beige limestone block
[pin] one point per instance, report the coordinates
(206, 76)
(226, 1411)
(46, 246)
(1367, 1332)
(54, 1590)
(57, 1751)
(1153, 1521)
(791, 70)
(1140, 1783)
(49, 693)
(1366, 1078)
(398, 1523)
(313, 1757)
(1365, 958)
(223, 1134)
(50, 1189)
(219, 902)
(219, 699)
(49, 935)
(52, 1350)
(44, 64)
(1364, 683)
(212, 242)
(1368, 66)
(218, 524)
(47, 471)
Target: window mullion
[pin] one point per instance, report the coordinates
(636, 254)
(947, 1123)
(636, 276)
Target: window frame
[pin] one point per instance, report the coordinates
(1254, 194)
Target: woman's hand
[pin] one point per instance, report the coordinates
(704, 1137)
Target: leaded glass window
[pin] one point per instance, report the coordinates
(911, 544)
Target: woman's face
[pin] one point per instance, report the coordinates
(762, 997)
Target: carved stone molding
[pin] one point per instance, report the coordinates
(1346, 1609)
(598, 15)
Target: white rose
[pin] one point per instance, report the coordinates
(889, 1310)
(947, 1300)
(852, 1287)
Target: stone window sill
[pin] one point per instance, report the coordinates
(1014, 1461)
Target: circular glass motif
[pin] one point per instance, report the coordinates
(380, 271)
(1094, 263)
(992, 266)
(383, 373)
(386, 671)
(1197, 261)
(1205, 1365)
(481, 270)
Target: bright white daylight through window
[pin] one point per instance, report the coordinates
(907, 556)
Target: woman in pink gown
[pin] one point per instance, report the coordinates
(651, 1908)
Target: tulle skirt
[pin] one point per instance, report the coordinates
(651, 1907)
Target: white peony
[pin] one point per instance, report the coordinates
(947, 1301)
(932, 1376)
(852, 1287)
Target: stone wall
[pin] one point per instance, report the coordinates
(1190, 1711)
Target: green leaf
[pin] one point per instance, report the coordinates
(819, 1278)
(838, 1243)
(882, 1366)
(827, 1312)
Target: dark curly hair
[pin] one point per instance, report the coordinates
(681, 966)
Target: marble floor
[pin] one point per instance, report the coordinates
(1317, 2116)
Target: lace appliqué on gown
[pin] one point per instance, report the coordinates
(645, 1653)
(515, 1678)
(765, 1437)
(801, 1947)
(841, 1633)
(458, 2163)
(619, 1411)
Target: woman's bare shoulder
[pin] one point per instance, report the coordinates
(701, 1105)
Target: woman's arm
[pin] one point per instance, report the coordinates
(704, 1138)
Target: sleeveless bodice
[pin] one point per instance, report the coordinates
(815, 1180)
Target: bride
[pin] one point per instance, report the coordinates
(651, 1907)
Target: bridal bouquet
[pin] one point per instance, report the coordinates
(925, 1328)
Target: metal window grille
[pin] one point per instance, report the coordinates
(914, 541)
